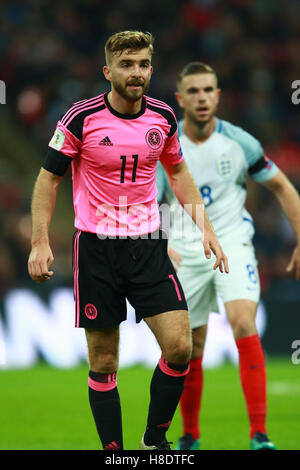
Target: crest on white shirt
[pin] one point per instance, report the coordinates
(225, 167)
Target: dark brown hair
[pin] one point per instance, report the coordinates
(193, 68)
(132, 40)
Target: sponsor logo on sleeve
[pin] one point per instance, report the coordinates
(57, 140)
(269, 163)
(180, 154)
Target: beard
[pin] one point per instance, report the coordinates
(128, 93)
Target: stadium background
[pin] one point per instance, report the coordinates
(51, 55)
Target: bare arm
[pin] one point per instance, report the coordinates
(42, 207)
(289, 199)
(189, 197)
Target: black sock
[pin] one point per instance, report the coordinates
(106, 408)
(165, 392)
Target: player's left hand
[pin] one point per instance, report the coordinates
(295, 262)
(211, 243)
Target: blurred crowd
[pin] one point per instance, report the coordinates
(52, 54)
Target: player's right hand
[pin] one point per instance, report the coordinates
(211, 244)
(40, 259)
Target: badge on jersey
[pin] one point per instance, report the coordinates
(57, 140)
(154, 138)
(225, 167)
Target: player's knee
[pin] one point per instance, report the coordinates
(198, 336)
(106, 363)
(198, 348)
(180, 352)
(243, 326)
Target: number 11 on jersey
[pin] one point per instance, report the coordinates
(122, 176)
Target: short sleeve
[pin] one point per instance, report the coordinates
(172, 153)
(260, 167)
(65, 141)
(62, 149)
(263, 170)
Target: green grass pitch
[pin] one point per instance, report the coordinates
(46, 408)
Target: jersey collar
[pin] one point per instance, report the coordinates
(125, 116)
(218, 127)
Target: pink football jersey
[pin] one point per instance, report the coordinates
(114, 159)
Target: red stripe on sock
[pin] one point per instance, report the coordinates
(190, 402)
(254, 380)
(164, 367)
(103, 386)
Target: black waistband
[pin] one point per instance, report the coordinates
(156, 235)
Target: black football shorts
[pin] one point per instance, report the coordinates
(108, 271)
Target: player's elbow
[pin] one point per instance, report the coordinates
(177, 173)
(279, 184)
(48, 178)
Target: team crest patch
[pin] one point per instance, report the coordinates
(225, 167)
(90, 311)
(154, 138)
(57, 140)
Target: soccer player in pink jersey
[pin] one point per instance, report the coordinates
(113, 142)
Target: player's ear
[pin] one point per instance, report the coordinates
(106, 72)
(218, 93)
(178, 98)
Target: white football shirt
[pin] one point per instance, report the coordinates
(219, 166)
